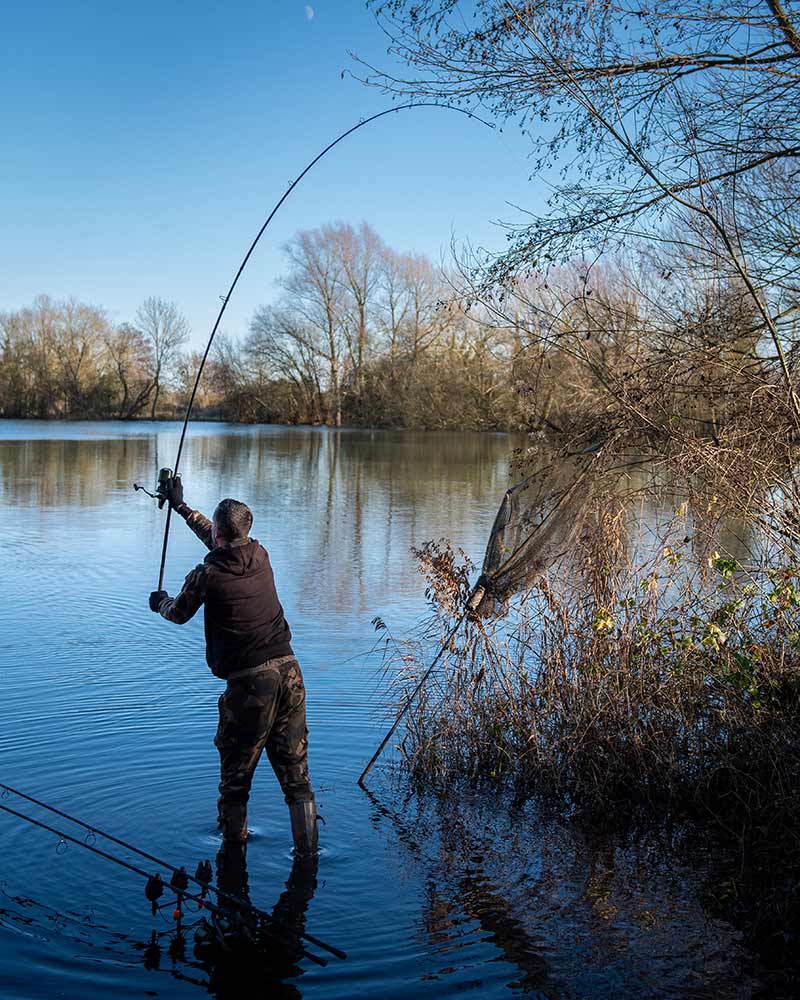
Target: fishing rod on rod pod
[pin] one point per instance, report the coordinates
(201, 878)
(165, 476)
(155, 886)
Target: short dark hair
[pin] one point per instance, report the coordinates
(234, 519)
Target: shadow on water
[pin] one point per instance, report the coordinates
(237, 960)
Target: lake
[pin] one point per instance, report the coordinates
(110, 712)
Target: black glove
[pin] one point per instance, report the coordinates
(156, 597)
(174, 491)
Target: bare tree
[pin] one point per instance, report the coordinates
(412, 291)
(372, 334)
(82, 329)
(393, 303)
(132, 360)
(54, 361)
(281, 347)
(166, 330)
(360, 251)
(316, 299)
(656, 114)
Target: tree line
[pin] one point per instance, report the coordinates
(359, 335)
(66, 359)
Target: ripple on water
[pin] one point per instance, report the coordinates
(110, 713)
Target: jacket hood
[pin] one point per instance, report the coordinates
(239, 560)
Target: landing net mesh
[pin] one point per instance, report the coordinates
(538, 522)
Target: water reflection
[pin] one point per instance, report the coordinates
(580, 914)
(230, 969)
(70, 473)
(237, 964)
(351, 501)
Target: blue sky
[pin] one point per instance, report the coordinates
(141, 146)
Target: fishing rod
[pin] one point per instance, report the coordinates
(155, 886)
(204, 883)
(165, 475)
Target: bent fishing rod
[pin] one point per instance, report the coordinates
(205, 884)
(227, 297)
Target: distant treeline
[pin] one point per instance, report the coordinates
(360, 335)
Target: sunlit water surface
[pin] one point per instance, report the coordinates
(109, 712)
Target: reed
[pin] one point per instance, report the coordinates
(634, 687)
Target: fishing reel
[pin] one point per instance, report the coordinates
(166, 478)
(165, 482)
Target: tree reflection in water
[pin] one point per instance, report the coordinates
(577, 912)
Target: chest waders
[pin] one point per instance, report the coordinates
(263, 710)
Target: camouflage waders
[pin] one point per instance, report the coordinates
(262, 708)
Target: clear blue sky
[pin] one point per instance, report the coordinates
(141, 145)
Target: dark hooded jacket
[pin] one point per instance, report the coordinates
(244, 620)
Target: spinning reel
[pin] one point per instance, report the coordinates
(165, 482)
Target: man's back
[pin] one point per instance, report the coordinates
(244, 620)
(248, 644)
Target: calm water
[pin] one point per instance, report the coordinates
(109, 712)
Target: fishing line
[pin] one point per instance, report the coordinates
(228, 897)
(226, 298)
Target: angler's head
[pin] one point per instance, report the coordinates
(231, 522)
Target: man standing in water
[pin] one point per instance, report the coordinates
(263, 706)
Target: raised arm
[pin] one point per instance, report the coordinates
(199, 524)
